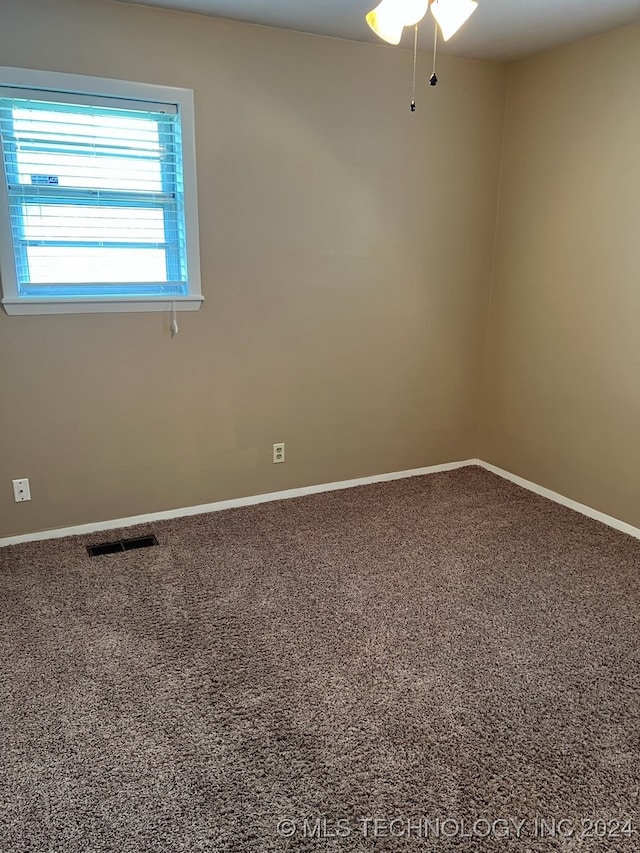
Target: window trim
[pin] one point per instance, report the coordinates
(121, 90)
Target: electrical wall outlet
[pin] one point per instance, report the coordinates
(21, 490)
(278, 452)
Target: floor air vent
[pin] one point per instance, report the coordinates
(121, 545)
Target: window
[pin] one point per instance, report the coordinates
(98, 206)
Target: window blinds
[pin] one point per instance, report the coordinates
(95, 190)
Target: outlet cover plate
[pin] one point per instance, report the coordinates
(21, 490)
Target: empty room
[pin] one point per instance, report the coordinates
(320, 418)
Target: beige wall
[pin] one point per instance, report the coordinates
(346, 253)
(561, 402)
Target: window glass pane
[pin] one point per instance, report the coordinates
(87, 150)
(96, 224)
(91, 172)
(50, 264)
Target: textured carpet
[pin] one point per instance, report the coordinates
(444, 654)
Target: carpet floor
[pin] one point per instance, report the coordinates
(444, 663)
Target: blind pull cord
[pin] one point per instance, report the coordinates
(173, 328)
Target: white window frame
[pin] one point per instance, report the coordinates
(80, 85)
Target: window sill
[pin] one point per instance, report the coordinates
(25, 305)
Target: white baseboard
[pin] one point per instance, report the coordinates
(609, 520)
(93, 527)
(116, 523)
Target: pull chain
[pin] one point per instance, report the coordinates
(433, 80)
(415, 60)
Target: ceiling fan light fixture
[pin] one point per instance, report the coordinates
(390, 17)
(451, 15)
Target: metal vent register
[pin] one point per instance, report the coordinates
(121, 545)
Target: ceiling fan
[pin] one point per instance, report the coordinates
(390, 17)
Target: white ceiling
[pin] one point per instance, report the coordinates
(498, 29)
